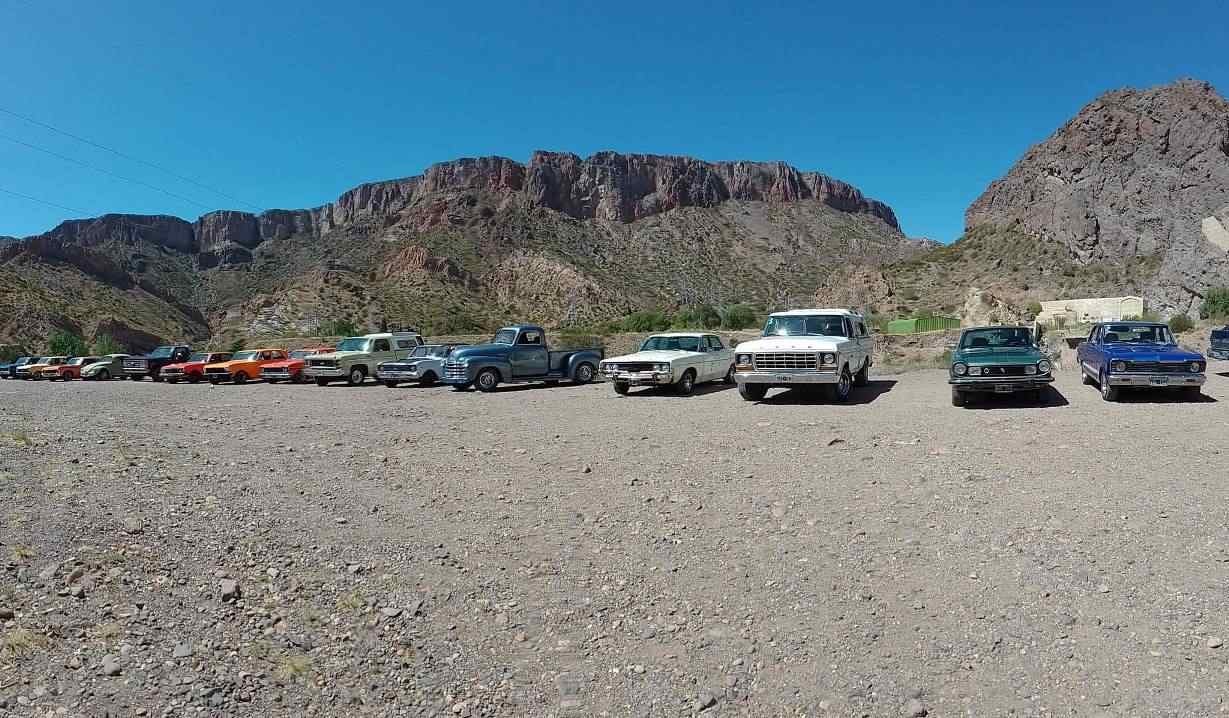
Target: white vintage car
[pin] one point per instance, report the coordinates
(806, 347)
(681, 359)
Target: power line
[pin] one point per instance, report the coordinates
(43, 201)
(129, 157)
(87, 165)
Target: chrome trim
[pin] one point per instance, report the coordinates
(1145, 380)
(788, 361)
(787, 378)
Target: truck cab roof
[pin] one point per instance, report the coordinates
(809, 312)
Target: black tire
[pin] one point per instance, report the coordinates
(841, 390)
(729, 375)
(240, 378)
(356, 376)
(390, 383)
(863, 377)
(172, 381)
(686, 385)
(297, 378)
(1108, 392)
(621, 388)
(156, 377)
(194, 378)
(584, 373)
(753, 392)
(103, 375)
(488, 379)
(321, 381)
(1085, 379)
(958, 397)
(428, 379)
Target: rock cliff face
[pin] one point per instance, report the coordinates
(476, 241)
(1136, 174)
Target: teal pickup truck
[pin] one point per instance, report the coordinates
(518, 354)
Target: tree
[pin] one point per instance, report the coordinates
(737, 316)
(64, 343)
(236, 346)
(1216, 303)
(700, 316)
(647, 321)
(1033, 309)
(338, 328)
(1179, 323)
(105, 344)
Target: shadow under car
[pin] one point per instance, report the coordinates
(817, 394)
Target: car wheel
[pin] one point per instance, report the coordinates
(296, 378)
(390, 384)
(621, 387)
(194, 378)
(863, 377)
(356, 376)
(240, 378)
(1084, 378)
(958, 397)
(321, 381)
(488, 379)
(752, 392)
(156, 377)
(687, 384)
(844, 385)
(428, 379)
(584, 373)
(1108, 393)
(172, 381)
(729, 375)
(103, 375)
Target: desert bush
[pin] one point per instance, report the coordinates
(338, 328)
(701, 316)
(1179, 323)
(653, 320)
(1033, 309)
(1216, 303)
(738, 316)
(105, 344)
(235, 346)
(66, 344)
(9, 352)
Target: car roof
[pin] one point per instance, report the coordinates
(996, 326)
(1134, 323)
(808, 312)
(683, 334)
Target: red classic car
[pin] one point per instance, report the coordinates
(291, 369)
(192, 370)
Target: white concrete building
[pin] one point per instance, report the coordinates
(1063, 312)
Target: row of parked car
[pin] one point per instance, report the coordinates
(828, 349)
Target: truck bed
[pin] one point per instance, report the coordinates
(559, 359)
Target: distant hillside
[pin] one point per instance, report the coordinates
(466, 245)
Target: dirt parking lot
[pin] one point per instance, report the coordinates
(295, 550)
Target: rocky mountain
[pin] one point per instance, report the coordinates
(467, 244)
(1138, 176)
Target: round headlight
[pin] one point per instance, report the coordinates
(828, 358)
(1043, 366)
(1119, 366)
(959, 369)
(1196, 366)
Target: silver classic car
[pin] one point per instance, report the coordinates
(425, 365)
(680, 359)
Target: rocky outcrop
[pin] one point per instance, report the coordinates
(859, 287)
(1136, 173)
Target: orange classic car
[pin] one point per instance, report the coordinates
(243, 365)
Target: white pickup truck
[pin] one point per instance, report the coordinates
(806, 347)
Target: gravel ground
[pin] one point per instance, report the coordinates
(292, 550)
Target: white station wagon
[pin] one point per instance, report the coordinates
(681, 359)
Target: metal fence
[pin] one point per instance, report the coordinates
(918, 326)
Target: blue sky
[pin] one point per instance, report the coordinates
(288, 104)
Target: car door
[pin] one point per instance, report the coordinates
(719, 358)
(1088, 351)
(528, 356)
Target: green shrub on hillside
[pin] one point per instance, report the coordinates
(1216, 303)
(9, 352)
(1033, 309)
(338, 328)
(67, 344)
(738, 316)
(647, 321)
(105, 344)
(1179, 323)
(702, 316)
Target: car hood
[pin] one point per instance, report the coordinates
(1005, 355)
(232, 363)
(184, 364)
(792, 344)
(282, 363)
(96, 366)
(656, 355)
(480, 350)
(1151, 352)
(334, 356)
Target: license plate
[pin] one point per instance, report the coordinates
(1158, 381)
(1002, 388)
(784, 378)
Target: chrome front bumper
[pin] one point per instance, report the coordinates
(1217, 353)
(1159, 381)
(383, 374)
(275, 373)
(784, 377)
(640, 378)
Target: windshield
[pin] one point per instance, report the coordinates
(830, 325)
(300, 353)
(162, 353)
(996, 338)
(1138, 334)
(505, 336)
(353, 344)
(420, 351)
(79, 361)
(245, 356)
(199, 357)
(671, 344)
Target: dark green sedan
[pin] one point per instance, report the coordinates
(997, 360)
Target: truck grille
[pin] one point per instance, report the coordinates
(1159, 367)
(454, 370)
(171, 371)
(636, 366)
(322, 363)
(275, 371)
(215, 371)
(787, 361)
(136, 365)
